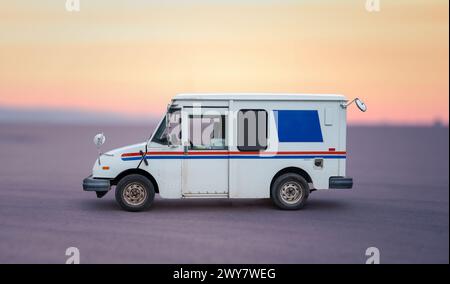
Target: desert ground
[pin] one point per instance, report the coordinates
(399, 204)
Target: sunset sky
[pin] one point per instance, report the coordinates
(130, 57)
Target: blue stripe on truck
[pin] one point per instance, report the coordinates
(237, 157)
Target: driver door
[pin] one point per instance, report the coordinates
(205, 162)
(165, 153)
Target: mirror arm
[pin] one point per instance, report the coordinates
(103, 154)
(345, 105)
(99, 155)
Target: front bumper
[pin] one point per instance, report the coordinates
(98, 185)
(341, 182)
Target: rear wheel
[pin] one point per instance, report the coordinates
(289, 191)
(135, 193)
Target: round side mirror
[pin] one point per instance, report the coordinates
(99, 139)
(361, 105)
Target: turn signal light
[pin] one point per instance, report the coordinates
(105, 168)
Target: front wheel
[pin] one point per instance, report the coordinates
(289, 191)
(135, 193)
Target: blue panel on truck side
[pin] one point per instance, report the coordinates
(298, 126)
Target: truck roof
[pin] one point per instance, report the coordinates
(258, 97)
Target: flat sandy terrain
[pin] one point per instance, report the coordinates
(399, 204)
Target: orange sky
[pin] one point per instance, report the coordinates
(131, 57)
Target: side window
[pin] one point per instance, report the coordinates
(305, 122)
(207, 132)
(252, 130)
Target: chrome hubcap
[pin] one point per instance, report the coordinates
(134, 194)
(291, 192)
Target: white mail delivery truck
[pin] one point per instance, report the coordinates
(277, 146)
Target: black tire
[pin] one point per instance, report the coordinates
(290, 182)
(135, 188)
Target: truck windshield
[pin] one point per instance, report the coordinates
(160, 135)
(171, 128)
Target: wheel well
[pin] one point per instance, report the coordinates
(295, 170)
(139, 172)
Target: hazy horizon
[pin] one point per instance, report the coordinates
(86, 117)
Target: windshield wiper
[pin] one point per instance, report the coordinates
(143, 157)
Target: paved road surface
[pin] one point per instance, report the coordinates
(400, 204)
